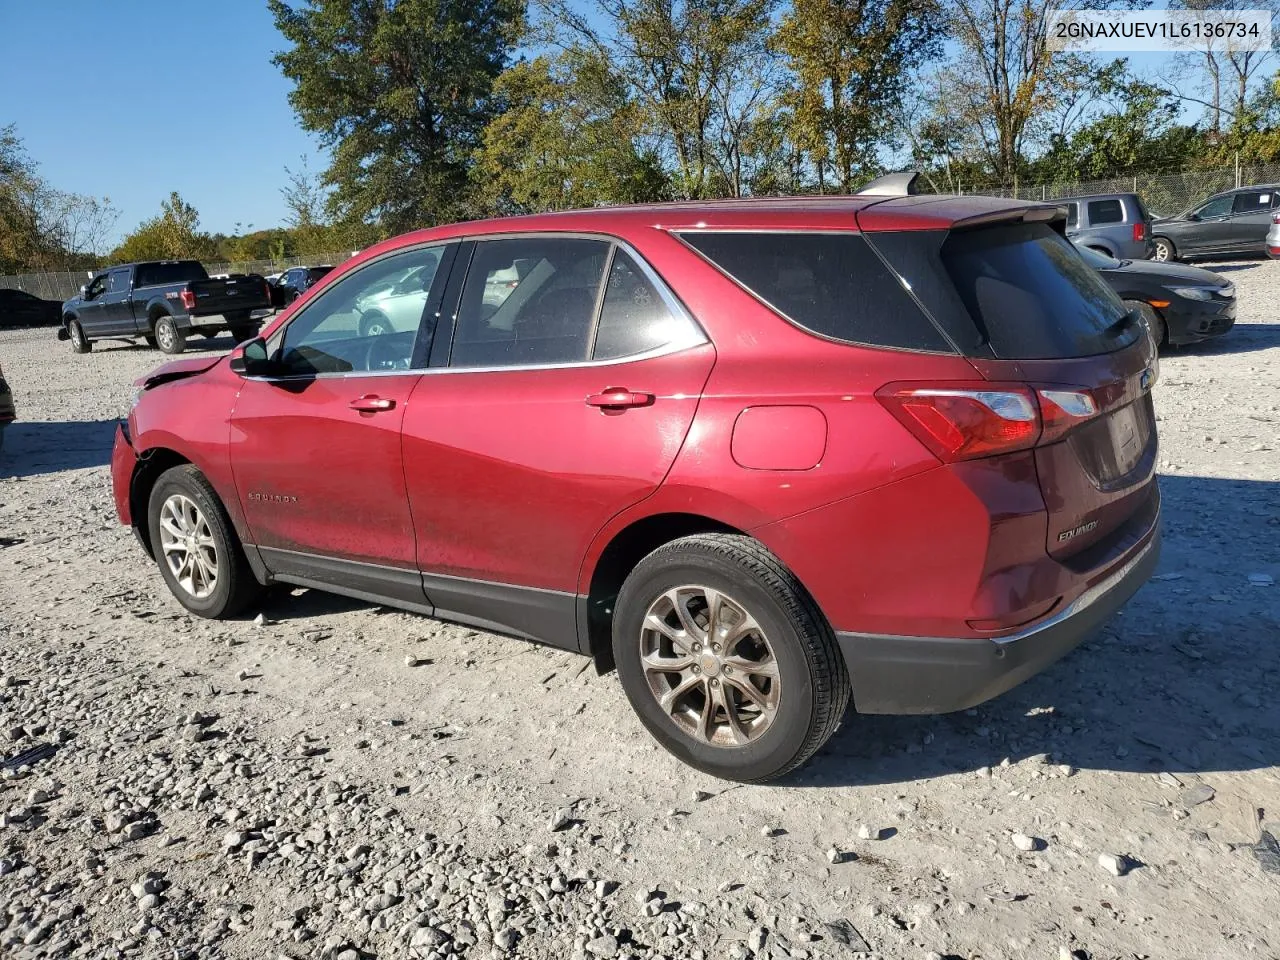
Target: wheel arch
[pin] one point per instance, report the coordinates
(626, 548)
(146, 471)
(156, 309)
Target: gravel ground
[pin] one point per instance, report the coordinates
(340, 780)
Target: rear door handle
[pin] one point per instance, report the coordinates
(619, 398)
(371, 403)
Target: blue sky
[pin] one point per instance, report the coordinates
(136, 98)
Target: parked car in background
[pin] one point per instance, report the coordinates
(1234, 222)
(765, 458)
(1273, 237)
(8, 413)
(294, 282)
(1181, 304)
(1116, 224)
(163, 301)
(396, 306)
(21, 309)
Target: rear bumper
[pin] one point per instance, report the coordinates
(918, 675)
(222, 321)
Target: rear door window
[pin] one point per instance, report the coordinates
(1251, 201)
(1032, 296)
(1105, 211)
(831, 284)
(634, 318)
(530, 301)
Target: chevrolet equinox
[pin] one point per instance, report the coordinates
(762, 456)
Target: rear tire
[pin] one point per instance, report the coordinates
(758, 691)
(243, 332)
(1163, 250)
(79, 342)
(168, 338)
(196, 547)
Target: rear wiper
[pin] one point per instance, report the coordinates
(1129, 318)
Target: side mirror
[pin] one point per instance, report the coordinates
(250, 359)
(1193, 216)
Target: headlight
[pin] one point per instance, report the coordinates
(1193, 293)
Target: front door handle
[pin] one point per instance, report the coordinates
(619, 398)
(371, 403)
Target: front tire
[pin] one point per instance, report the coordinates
(168, 338)
(196, 547)
(79, 342)
(726, 658)
(1155, 323)
(1163, 250)
(374, 324)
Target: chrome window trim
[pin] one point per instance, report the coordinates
(695, 334)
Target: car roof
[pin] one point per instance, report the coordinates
(792, 214)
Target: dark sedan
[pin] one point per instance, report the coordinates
(21, 309)
(294, 282)
(1181, 304)
(1227, 224)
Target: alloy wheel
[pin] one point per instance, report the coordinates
(710, 666)
(164, 337)
(189, 547)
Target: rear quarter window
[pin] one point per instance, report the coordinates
(832, 284)
(1032, 296)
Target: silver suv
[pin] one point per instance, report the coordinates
(1116, 224)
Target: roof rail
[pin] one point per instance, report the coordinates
(891, 185)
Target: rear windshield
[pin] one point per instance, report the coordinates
(154, 274)
(832, 284)
(1032, 296)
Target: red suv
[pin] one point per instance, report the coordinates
(761, 455)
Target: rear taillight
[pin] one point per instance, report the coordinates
(968, 421)
(188, 300)
(266, 290)
(1139, 232)
(1275, 218)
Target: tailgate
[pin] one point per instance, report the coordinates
(1100, 479)
(229, 295)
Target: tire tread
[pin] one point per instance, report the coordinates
(831, 686)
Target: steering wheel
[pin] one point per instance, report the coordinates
(385, 353)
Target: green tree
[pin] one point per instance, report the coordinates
(850, 60)
(568, 137)
(173, 235)
(400, 92)
(1002, 86)
(697, 68)
(1135, 129)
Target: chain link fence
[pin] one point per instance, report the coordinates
(63, 286)
(1165, 195)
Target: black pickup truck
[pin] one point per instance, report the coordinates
(164, 302)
